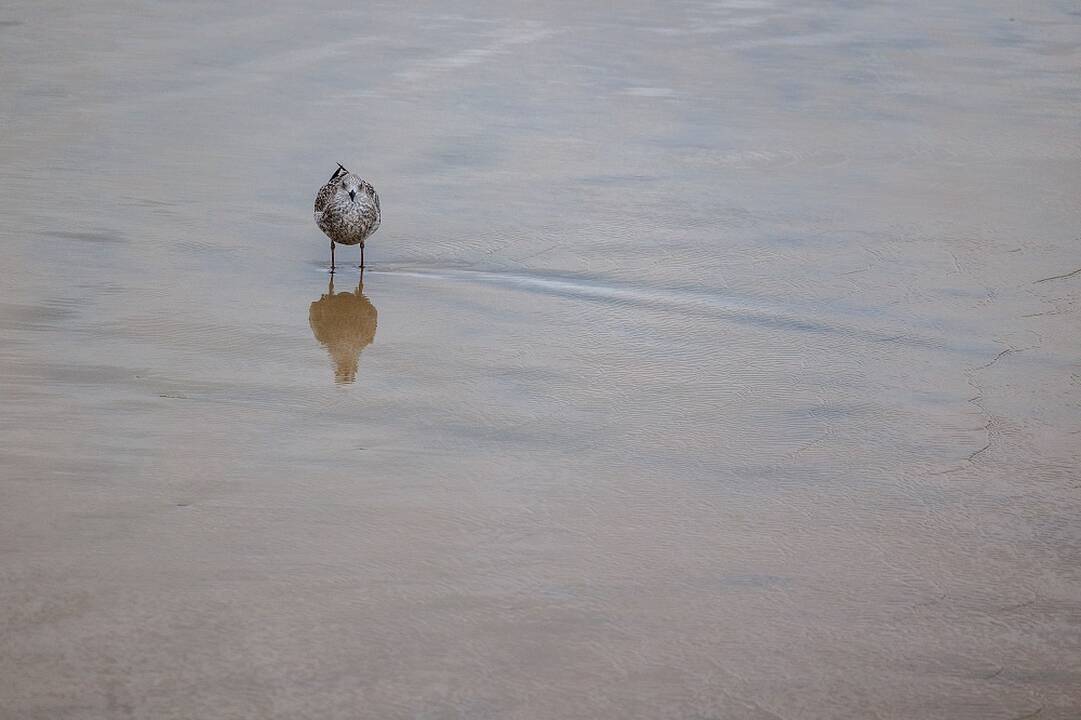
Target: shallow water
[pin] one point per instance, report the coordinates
(707, 365)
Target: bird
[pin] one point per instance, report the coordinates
(347, 211)
(344, 323)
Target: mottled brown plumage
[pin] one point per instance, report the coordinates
(347, 211)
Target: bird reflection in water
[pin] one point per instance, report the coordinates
(343, 323)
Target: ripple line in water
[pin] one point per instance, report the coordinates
(758, 312)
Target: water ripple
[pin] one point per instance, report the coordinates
(755, 311)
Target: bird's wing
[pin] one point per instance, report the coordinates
(375, 198)
(323, 197)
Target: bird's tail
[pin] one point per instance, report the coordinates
(339, 172)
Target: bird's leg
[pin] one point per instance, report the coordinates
(362, 256)
(332, 256)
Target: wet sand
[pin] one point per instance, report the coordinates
(715, 361)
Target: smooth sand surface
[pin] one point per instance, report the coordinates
(707, 368)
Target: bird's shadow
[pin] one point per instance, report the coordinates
(344, 323)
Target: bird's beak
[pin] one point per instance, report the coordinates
(352, 194)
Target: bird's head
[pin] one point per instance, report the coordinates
(351, 185)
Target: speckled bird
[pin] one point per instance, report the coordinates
(347, 211)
